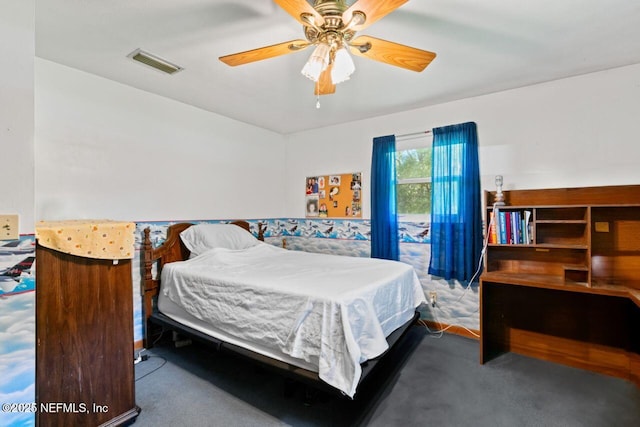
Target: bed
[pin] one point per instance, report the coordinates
(322, 318)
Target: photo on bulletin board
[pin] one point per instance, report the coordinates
(334, 196)
(312, 206)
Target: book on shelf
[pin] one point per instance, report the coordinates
(515, 227)
(493, 236)
(528, 239)
(503, 227)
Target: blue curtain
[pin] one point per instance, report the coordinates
(384, 212)
(456, 218)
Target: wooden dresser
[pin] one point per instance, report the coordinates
(84, 324)
(562, 282)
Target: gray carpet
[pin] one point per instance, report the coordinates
(426, 382)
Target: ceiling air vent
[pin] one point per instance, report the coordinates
(154, 61)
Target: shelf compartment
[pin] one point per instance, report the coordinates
(561, 233)
(513, 225)
(578, 213)
(577, 274)
(616, 246)
(535, 261)
(619, 270)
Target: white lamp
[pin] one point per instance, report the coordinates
(343, 66)
(317, 63)
(499, 199)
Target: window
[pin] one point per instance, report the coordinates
(413, 173)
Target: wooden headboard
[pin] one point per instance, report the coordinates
(171, 250)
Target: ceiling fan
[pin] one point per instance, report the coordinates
(331, 25)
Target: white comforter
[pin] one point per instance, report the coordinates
(331, 311)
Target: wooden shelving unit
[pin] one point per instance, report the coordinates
(570, 293)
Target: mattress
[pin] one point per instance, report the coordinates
(320, 312)
(177, 313)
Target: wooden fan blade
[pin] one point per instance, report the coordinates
(391, 53)
(373, 9)
(296, 8)
(324, 85)
(266, 52)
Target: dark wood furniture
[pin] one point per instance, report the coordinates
(84, 336)
(174, 250)
(572, 293)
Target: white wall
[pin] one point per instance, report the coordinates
(106, 150)
(574, 132)
(17, 49)
(94, 137)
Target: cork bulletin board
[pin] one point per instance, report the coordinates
(334, 196)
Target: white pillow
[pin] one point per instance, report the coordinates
(202, 237)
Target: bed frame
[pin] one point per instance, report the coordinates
(156, 323)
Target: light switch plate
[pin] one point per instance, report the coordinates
(9, 227)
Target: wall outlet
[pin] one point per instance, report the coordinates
(433, 298)
(9, 227)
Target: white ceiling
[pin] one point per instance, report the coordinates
(483, 46)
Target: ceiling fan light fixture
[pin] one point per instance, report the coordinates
(317, 63)
(330, 26)
(343, 66)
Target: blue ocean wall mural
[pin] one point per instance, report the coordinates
(457, 302)
(17, 328)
